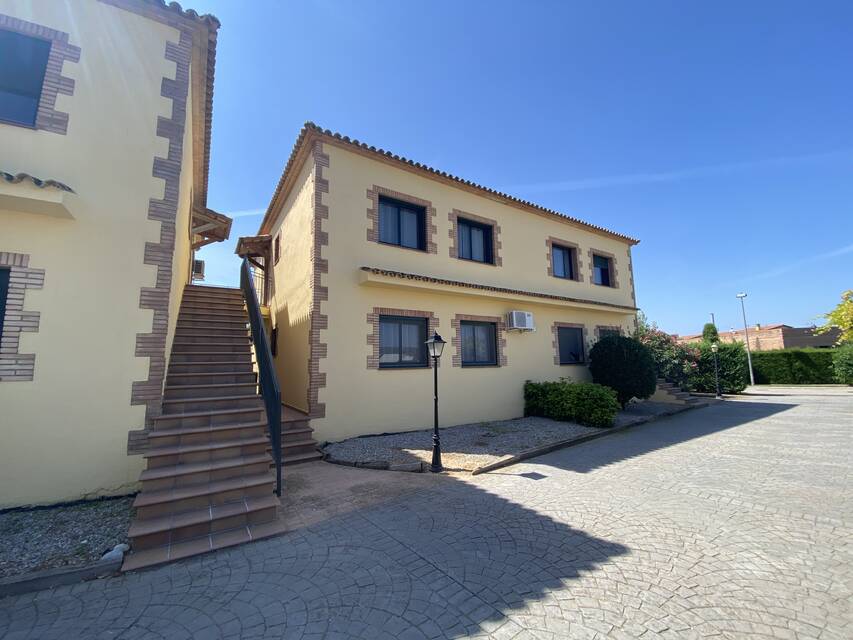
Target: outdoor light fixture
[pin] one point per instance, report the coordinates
(714, 348)
(435, 346)
(746, 336)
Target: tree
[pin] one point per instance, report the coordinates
(625, 365)
(840, 318)
(709, 333)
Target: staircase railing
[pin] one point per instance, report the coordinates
(267, 380)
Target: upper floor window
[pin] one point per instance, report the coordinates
(570, 344)
(402, 224)
(562, 262)
(24, 62)
(475, 241)
(602, 267)
(479, 343)
(402, 342)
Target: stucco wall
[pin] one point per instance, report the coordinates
(359, 400)
(65, 433)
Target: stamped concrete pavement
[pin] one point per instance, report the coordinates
(732, 521)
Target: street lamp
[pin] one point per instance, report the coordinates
(435, 346)
(746, 335)
(714, 348)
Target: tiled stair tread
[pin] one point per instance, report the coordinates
(205, 412)
(187, 468)
(212, 313)
(148, 498)
(219, 540)
(208, 399)
(214, 385)
(187, 431)
(302, 457)
(178, 449)
(298, 443)
(218, 374)
(211, 321)
(237, 357)
(200, 516)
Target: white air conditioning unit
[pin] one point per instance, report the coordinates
(198, 269)
(520, 321)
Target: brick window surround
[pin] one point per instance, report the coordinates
(555, 330)
(14, 365)
(614, 271)
(606, 327)
(454, 216)
(373, 337)
(373, 216)
(47, 117)
(577, 263)
(500, 338)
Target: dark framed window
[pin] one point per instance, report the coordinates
(402, 224)
(601, 270)
(4, 293)
(604, 332)
(474, 241)
(570, 343)
(562, 262)
(276, 249)
(24, 62)
(402, 342)
(479, 344)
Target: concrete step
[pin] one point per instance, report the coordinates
(171, 455)
(211, 328)
(207, 434)
(210, 417)
(211, 377)
(211, 403)
(210, 356)
(192, 474)
(209, 346)
(209, 390)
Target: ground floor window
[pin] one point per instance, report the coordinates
(479, 346)
(402, 342)
(570, 344)
(603, 332)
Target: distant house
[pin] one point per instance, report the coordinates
(774, 336)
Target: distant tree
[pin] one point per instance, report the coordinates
(840, 318)
(709, 333)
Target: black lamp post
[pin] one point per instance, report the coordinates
(435, 346)
(714, 349)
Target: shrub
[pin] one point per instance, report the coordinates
(709, 333)
(581, 402)
(673, 362)
(842, 364)
(793, 366)
(625, 365)
(734, 373)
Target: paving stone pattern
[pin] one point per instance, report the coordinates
(733, 521)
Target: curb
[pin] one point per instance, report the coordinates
(39, 580)
(553, 446)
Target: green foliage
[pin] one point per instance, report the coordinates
(709, 333)
(625, 365)
(581, 402)
(842, 364)
(842, 318)
(733, 368)
(673, 361)
(793, 366)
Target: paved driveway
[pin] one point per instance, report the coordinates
(730, 521)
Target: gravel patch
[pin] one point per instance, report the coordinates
(466, 446)
(62, 536)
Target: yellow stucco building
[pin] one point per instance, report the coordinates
(367, 254)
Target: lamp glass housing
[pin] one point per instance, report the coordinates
(435, 345)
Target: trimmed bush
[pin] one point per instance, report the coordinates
(581, 402)
(842, 363)
(625, 365)
(734, 373)
(710, 333)
(793, 366)
(674, 362)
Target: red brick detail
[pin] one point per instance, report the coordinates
(556, 342)
(47, 117)
(456, 340)
(614, 270)
(373, 336)
(631, 279)
(454, 215)
(14, 365)
(318, 350)
(577, 263)
(373, 215)
(160, 254)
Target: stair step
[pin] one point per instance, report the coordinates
(154, 504)
(211, 287)
(234, 329)
(186, 436)
(172, 406)
(164, 455)
(219, 357)
(212, 305)
(195, 474)
(188, 313)
(185, 347)
(209, 417)
(299, 458)
(211, 378)
(202, 390)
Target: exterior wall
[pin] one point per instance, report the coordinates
(65, 432)
(291, 300)
(359, 399)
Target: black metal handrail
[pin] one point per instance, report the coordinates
(267, 380)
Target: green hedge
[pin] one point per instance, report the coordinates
(582, 402)
(843, 363)
(793, 366)
(731, 359)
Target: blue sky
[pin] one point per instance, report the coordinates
(719, 133)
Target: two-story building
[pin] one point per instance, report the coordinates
(366, 254)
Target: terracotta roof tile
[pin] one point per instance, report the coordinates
(39, 182)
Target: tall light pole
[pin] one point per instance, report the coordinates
(746, 334)
(714, 348)
(435, 346)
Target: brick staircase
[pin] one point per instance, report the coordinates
(208, 484)
(683, 397)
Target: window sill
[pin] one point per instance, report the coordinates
(399, 246)
(480, 366)
(606, 286)
(566, 279)
(404, 367)
(486, 264)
